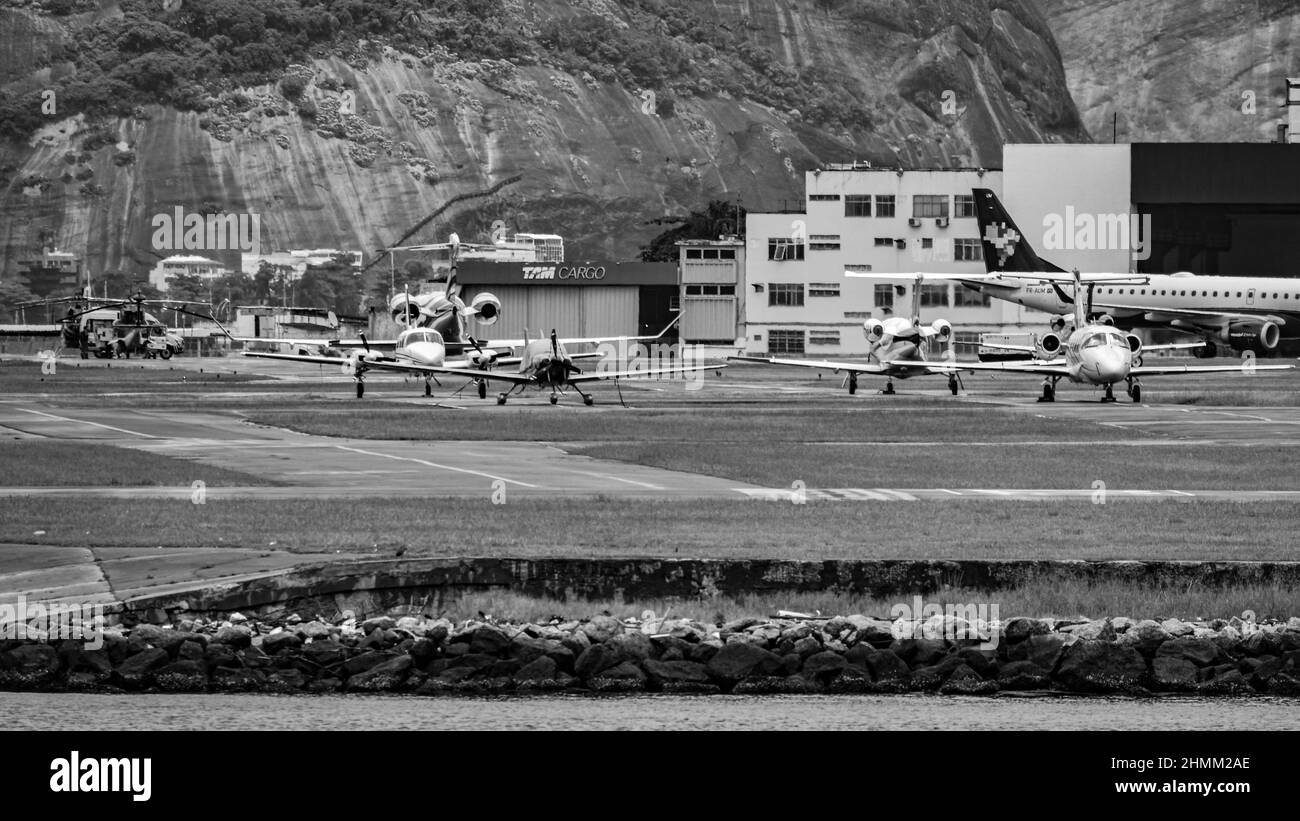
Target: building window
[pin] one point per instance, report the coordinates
(857, 205)
(785, 293)
(929, 205)
(927, 242)
(823, 337)
(784, 248)
(726, 253)
(694, 290)
(882, 241)
(964, 297)
(857, 314)
(784, 342)
(726, 290)
(967, 250)
(823, 289)
(863, 268)
(823, 246)
(823, 197)
(885, 205)
(963, 205)
(934, 296)
(694, 253)
(884, 296)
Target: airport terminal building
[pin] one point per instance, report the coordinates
(881, 220)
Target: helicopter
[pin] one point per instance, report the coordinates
(117, 328)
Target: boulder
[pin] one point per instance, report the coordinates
(920, 652)
(736, 661)
(576, 642)
(97, 663)
(806, 646)
(285, 681)
(1171, 673)
(876, 632)
(324, 653)
(541, 668)
(253, 657)
(1201, 652)
(235, 636)
(363, 662)
(848, 680)
(488, 639)
(385, 676)
(29, 666)
(885, 666)
(1023, 675)
(602, 629)
(219, 655)
(1284, 684)
(1177, 628)
(1045, 650)
(632, 645)
(134, 671)
(1018, 629)
(661, 672)
(314, 630)
(184, 676)
(1228, 683)
(796, 632)
(981, 661)
(1145, 636)
(473, 662)
(597, 658)
(1101, 666)
(329, 684)
(1096, 630)
(705, 650)
(824, 665)
(525, 648)
(191, 650)
(1262, 642)
(964, 681)
(423, 650)
(623, 677)
(380, 623)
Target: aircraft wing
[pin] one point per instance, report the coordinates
(1159, 314)
(318, 342)
(592, 377)
(1178, 346)
(1244, 367)
(580, 340)
(825, 364)
(316, 360)
(1018, 348)
(1055, 367)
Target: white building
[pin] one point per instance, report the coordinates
(182, 265)
(297, 261)
(881, 220)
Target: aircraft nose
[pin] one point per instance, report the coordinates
(1112, 366)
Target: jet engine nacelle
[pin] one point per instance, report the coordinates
(1105, 319)
(874, 329)
(486, 308)
(1058, 323)
(1049, 345)
(942, 329)
(406, 310)
(1258, 335)
(1134, 343)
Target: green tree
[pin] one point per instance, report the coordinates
(12, 293)
(718, 217)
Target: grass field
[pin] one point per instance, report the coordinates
(700, 529)
(1132, 466)
(918, 420)
(63, 463)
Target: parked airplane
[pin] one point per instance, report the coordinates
(423, 352)
(1240, 313)
(897, 344)
(1097, 354)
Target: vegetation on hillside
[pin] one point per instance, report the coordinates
(185, 56)
(717, 218)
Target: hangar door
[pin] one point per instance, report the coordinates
(709, 318)
(608, 310)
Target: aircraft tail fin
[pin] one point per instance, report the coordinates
(1005, 247)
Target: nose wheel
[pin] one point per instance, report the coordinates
(1049, 390)
(428, 387)
(1110, 394)
(889, 388)
(361, 388)
(501, 398)
(554, 399)
(482, 389)
(853, 383)
(1135, 390)
(952, 384)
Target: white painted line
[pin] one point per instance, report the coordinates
(436, 465)
(83, 422)
(898, 494)
(953, 492)
(617, 479)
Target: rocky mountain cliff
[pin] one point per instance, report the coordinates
(611, 112)
(1178, 70)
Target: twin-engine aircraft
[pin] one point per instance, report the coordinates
(1096, 354)
(897, 344)
(541, 363)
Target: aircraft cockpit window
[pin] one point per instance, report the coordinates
(1097, 341)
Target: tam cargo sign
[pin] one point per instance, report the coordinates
(476, 272)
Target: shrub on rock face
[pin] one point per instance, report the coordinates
(1102, 667)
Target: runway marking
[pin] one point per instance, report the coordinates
(84, 422)
(646, 485)
(436, 465)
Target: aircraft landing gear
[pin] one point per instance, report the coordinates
(501, 398)
(853, 383)
(587, 398)
(1110, 394)
(361, 388)
(1208, 352)
(1049, 390)
(428, 387)
(482, 389)
(554, 399)
(1135, 389)
(952, 383)
(889, 388)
